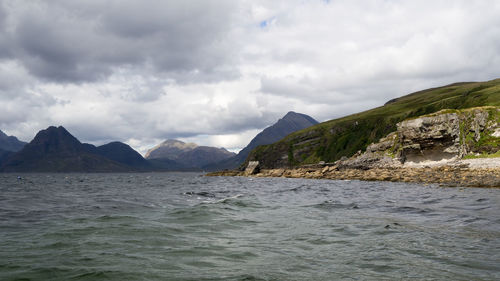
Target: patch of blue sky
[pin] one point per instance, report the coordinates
(265, 23)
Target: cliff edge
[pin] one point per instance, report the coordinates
(446, 136)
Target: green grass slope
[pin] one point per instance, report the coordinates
(329, 141)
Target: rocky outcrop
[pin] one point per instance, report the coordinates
(252, 168)
(444, 135)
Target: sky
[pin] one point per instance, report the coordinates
(217, 72)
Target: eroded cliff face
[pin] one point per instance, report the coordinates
(444, 135)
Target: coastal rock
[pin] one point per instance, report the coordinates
(252, 168)
(429, 138)
(441, 136)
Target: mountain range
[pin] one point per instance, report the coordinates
(56, 150)
(187, 154)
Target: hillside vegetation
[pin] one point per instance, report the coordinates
(331, 140)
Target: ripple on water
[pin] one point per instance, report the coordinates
(185, 227)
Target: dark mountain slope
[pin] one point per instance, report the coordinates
(124, 154)
(10, 143)
(4, 155)
(203, 155)
(331, 140)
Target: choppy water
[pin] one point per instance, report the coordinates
(182, 226)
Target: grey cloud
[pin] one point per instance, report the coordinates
(72, 42)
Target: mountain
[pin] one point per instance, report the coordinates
(186, 155)
(203, 155)
(331, 140)
(290, 123)
(165, 164)
(10, 143)
(4, 154)
(56, 150)
(169, 149)
(123, 154)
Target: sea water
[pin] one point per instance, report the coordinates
(184, 226)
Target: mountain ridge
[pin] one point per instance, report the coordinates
(56, 150)
(10, 143)
(187, 154)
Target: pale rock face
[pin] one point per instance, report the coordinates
(496, 133)
(433, 138)
(252, 168)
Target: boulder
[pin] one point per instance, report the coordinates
(252, 168)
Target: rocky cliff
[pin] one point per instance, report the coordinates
(444, 135)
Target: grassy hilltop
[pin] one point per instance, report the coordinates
(329, 141)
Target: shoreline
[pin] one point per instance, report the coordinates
(457, 173)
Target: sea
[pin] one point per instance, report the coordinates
(186, 226)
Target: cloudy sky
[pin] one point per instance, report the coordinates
(218, 72)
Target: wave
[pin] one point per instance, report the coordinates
(329, 204)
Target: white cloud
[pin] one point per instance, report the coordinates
(217, 73)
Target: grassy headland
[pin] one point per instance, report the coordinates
(331, 140)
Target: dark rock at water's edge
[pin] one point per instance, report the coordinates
(290, 123)
(10, 143)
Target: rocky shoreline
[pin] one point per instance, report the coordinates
(447, 175)
(449, 147)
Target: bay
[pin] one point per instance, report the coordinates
(184, 226)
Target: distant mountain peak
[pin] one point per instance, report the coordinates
(298, 117)
(290, 113)
(56, 150)
(178, 143)
(188, 154)
(169, 149)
